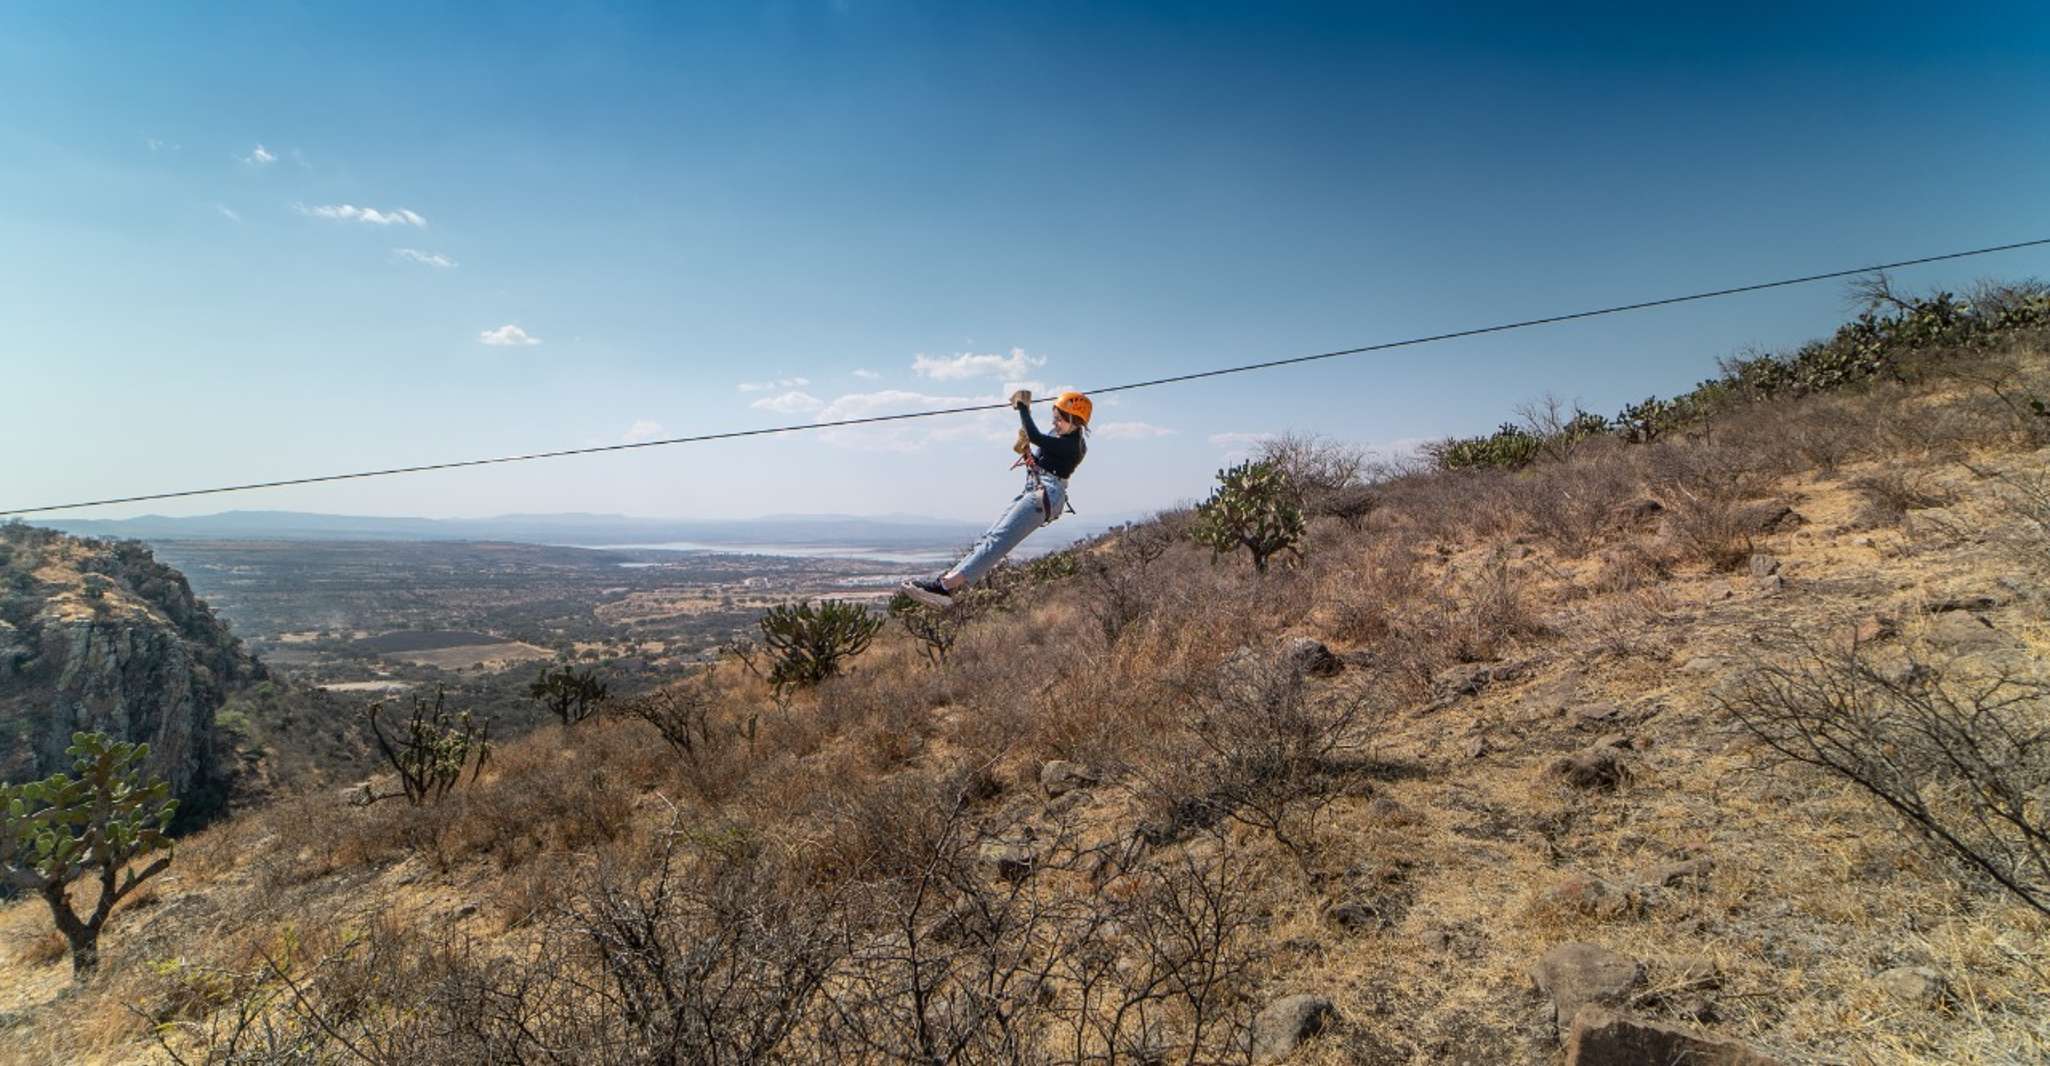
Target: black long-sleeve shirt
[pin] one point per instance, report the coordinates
(1058, 455)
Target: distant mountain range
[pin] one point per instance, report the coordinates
(886, 531)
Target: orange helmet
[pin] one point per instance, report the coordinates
(1074, 405)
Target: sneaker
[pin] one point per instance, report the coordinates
(928, 591)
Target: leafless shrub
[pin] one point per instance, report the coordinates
(1394, 606)
(2023, 504)
(1314, 465)
(1494, 612)
(1710, 528)
(1259, 749)
(556, 790)
(1559, 428)
(959, 965)
(702, 958)
(1368, 599)
(1891, 494)
(1827, 432)
(216, 1016)
(1572, 505)
(1990, 297)
(2017, 396)
(1631, 565)
(685, 716)
(936, 631)
(1627, 628)
(1119, 593)
(971, 954)
(341, 993)
(1351, 506)
(1712, 468)
(894, 737)
(1964, 761)
(1172, 984)
(1449, 506)
(690, 720)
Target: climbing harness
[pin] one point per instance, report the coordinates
(1045, 496)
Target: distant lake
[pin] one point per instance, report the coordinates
(790, 551)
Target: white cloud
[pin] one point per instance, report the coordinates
(352, 213)
(157, 145)
(228, 212)
(1239, 445)
(642, 429)
(508, 336)
(432, 259)
(1396, 451)
(779, 383)
(912, 434)
(1131, 431)
(789, 403)
(961, 367)
(867, 375)
(261, 157)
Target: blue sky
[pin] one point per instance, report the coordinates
(243, 242)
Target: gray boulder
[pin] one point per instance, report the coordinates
(1577, 974)
(1603, 1037)
(1288, 1022)
(1059, 777)
(1595, 768)
(1012, 861)
(1964, 631)
(1309, 656)
(1921, 986)
(1674, 874)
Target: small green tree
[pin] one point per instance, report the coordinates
(573, 695)
(58, 829)
(430, 751)
(810, 643)
(1255, 508)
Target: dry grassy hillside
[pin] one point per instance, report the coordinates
(1131, 814)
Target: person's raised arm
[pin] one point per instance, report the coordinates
(1032, 432)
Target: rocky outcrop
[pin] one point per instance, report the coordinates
(99, 636)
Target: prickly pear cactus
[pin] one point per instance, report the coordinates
(60, 828)
(1255, 508)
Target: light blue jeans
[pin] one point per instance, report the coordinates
(1026, 513)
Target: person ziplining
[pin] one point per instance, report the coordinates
(1049, 460)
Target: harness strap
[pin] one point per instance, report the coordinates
(1045, 497)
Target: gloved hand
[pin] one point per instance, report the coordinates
(1021, 398)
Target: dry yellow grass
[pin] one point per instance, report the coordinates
(1456, 835)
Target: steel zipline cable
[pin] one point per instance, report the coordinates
(1154, 382)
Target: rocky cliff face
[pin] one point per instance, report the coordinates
(100, 636)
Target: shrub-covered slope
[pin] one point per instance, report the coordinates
(1506, 765)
